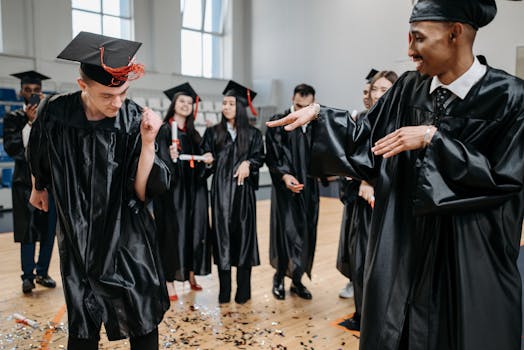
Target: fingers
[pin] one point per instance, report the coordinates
(281, 122)
(298, 123)
(45, 205)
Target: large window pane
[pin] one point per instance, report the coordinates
(192, 15)
(117, 27)
(120, 8)
(89, 5)
(213, 17)
(85, 21)
(207, 56)
(191, 52)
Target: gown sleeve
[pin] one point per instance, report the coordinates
(256, 158)
(13, 143)
(454, 175)
(278, 157)
(207, 145)
(37, 149)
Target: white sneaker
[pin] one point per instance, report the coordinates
(347, 291)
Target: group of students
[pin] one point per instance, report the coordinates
(442, 239)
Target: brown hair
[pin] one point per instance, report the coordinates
(388, 74)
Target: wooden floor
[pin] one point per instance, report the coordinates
(196, 321)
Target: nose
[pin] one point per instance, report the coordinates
(411, 50)
(117, 102)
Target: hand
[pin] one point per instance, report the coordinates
(208, 158)
(367, 192)
(242, 172)
(292, 183)
(296, 119)
(173, 152)
(151, 123)
(178, 145)
(39, 199)
(407, 138)
(31, 113)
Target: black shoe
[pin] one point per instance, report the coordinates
(27, 286)
(241, 300)
(46, 281)
(301, 290)
(278, 288)
(352, 323)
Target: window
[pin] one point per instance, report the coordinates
(203, 37)
(107, 17)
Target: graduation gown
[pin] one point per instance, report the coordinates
(29, 223)
(294, 217)
(348, 193)
(233, 207)
(446, 226)
(110, 266)
(181, 214)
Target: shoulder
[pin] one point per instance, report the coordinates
(17, 116)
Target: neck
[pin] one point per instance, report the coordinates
(92, 113)
(461, 66)
(180, 120)
(231, 122)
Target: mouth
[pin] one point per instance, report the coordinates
(418, 61)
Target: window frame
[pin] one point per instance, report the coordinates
(101, 15)
(202, 31)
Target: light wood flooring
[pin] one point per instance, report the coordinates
(196, 321)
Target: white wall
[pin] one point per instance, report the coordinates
(333, 44)
(35, 31)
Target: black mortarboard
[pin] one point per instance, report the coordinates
(242, 93)
(30, 77)
(186, 88)
(476, 13)
(104, 59)
(371, 74)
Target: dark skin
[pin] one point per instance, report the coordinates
(439, 49)
(26, 91)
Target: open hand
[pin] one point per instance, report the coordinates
(404, 139)
(242, 172)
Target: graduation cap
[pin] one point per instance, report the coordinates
(371, 74)
(187, 90)
(107, 60)
(476, 13)
(241, 93)
(30, 77)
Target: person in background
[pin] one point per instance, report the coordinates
(360, 222)
(348, 193)
(294, 201)
(237, 151)
(181, 214)
(29, 224)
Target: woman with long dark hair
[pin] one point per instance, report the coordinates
(181, 214)
(238, 151)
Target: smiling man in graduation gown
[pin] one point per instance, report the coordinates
(30, 224)
(294, 200)
(95, 151)
(445, 144)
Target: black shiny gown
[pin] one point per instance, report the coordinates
(348, 193)
(446, 226)
(294, 216)
(110, 265)
(29, 223)
(181, 214)
(233, 207)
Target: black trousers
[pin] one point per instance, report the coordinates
(243, 285)
(145, 342)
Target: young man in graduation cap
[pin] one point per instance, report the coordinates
(445, 144)
(30, 224)
(95, 151)
(294, 201)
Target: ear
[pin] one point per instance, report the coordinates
(456, 31)
(81, 83)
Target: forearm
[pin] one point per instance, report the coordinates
(145, 164)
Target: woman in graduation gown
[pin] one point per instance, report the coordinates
(442, 271)
(181, 214)
(238, 151)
